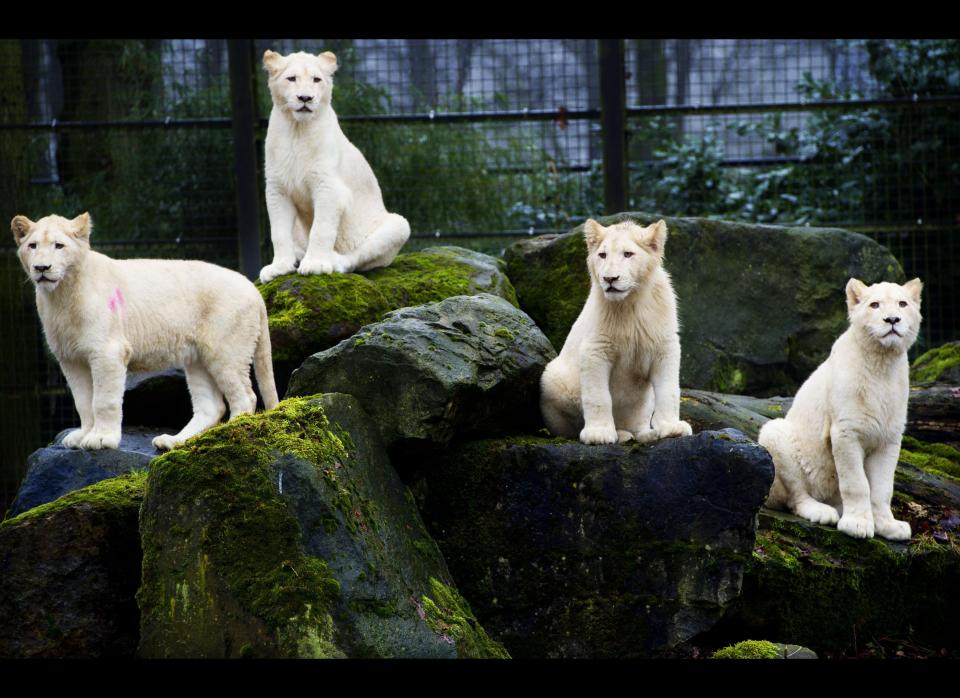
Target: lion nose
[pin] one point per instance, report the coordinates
(305, 98)
(41, 267)
(610, 279)
(893, 320)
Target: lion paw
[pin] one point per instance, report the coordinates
(328, 264)
(272, 271)
(645, 435)
(599, 435)
(666, 430)
(95, 440)
(165, 442)
(856, 525)
(817, 512)
(892, 529)
(73, 439)
(623, 436)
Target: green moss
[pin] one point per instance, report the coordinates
(728, 377)
(449, 615)
(748, 649)
(250, 540)
(114, 493)
(503, 332)
(937, 459)
(931, 366)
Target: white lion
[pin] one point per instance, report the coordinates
(836, 450)
(618, 375)
(317, 181)
(103, 317)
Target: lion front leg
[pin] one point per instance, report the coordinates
(595, 398)
(857, 517)
(665, 378)
(880, 467)
(78, 378)
(108, 372)
(282, 215)
(330, 200)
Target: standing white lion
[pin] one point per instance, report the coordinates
(836, 450)
(105, 316)
(325, 206)
(618, 375)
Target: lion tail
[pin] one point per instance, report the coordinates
(263, 363)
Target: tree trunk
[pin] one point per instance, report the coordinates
(651, 79)
(423, 73)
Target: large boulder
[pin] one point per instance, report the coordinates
(567, 550)
(312, 313)
(760, 306)
(55, 470)
(465, 365)
(288, 534)
(70, 570)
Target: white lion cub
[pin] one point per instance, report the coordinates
(618, 375)
(325, 206)
(836, 450)
(103, 316)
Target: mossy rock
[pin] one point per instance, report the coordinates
(939, 365)
(288, 534)
(830, 592)
(70, 570)
(762, 649)
(760, 306)
(706, 410)
(312, 313)
(464, 365)
(54, 470)
(567, 550)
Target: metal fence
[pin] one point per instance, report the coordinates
(476, 142)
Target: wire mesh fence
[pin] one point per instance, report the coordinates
(476, 143)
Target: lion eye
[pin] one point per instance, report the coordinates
(874, 305)
(32, 245)
(58, 245)
(318, 79)
(292, 78)
(602, 255)
(628, 255)
(903, 304)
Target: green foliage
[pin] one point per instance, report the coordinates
(748, 649)
(879, 165)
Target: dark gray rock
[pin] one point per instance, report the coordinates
(70, 570)
(465, 365)
(157, 398)
(760, 306)
(288, 534)
(567, 550)
(53, 471)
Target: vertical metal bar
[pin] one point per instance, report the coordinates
(240, 52)
(613, 121)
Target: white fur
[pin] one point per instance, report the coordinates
(103, 317)
(618, 374)
(325, 206)
(836, 450)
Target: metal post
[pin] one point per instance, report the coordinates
(240, 52)
(613, 121)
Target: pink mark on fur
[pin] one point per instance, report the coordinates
(116, 301)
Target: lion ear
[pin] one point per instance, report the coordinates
(20, 226)
(330, 61)
(80, 227)
(856, 289)
(914, 287)
(272, 62)
(593, 233)
(655, 237)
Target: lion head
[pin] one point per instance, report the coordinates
(623, 256)
(301, 83)
(51, 247)
(886, 313)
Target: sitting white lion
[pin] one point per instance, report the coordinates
(836, 450)
(618, 374)
(103, 317)
(325, 206)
